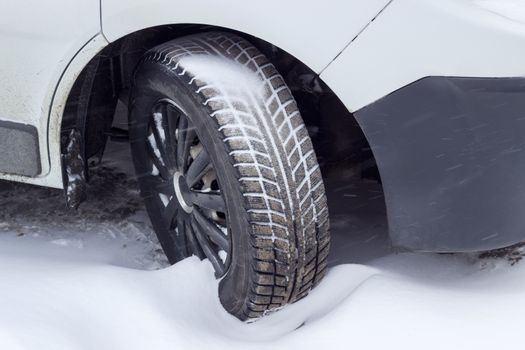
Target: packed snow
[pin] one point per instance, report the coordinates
(96, 279)
(223, 74)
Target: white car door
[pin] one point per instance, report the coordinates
(38, 39)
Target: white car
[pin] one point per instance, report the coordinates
(432, 92)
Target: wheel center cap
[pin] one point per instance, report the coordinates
(182, 192)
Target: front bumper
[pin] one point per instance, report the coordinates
(451, 154)
(451, 151)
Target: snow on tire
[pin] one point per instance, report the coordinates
(248, 121)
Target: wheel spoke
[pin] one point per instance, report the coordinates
(159, 133)
(198, 168)
(170, 119)
(181, 232)
(212, 256)
(184, 141)
(210, 200)
(157, 162)
(211, 230)
(162, 186)
(178, 232)
(170, 211)
(192, 240)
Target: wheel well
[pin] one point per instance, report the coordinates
(104, 83)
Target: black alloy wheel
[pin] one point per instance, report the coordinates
(184, 181)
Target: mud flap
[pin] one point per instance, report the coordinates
(75, 185)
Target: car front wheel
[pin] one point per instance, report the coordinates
(227, 170)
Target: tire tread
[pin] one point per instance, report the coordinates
(283, 189)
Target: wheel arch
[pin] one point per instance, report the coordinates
(122, 22)
(317, 102)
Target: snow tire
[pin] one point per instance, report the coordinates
(264, 159)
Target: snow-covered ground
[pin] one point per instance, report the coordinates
(96, 279)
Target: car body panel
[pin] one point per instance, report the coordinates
(38, 41)
(312, 31)
(377, 56)
(426, 82)
(38, 89)
(413, 39)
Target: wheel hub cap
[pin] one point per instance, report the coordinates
(182, 192)
(193, 212)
